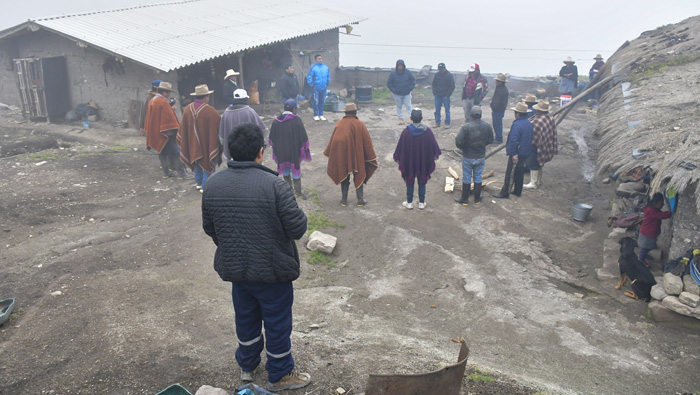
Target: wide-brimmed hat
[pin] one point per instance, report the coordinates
(521, 108)
(543, 105)
(240, 94)
(598, 57)
(530, 98)
(201, 90)
(166, 86)
(230, 72)
(350, 107)
(501, 77)
(569, 59)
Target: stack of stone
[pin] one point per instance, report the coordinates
(678, 294)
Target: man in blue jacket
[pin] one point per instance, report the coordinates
(518, 148)
(252, 217)
(318, 78)
(401, 82)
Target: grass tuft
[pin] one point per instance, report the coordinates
(660, 67)
(317, 221)
(41, 157)
(319, 258)
(478, 375)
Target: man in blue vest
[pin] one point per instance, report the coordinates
(318, 78)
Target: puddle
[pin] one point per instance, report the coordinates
(587, 165)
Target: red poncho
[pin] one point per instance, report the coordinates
(159, 119)
(350, 151)
(198, 137)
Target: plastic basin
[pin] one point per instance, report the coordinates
(6, 307)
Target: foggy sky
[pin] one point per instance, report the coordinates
(524, 38)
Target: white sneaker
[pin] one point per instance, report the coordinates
(407, 205)
(322, 118)
(421, 206)
(317, 118)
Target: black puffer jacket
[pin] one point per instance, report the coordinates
(443, 84)
(253, 218)
(473, 138)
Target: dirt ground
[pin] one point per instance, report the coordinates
(86, 213)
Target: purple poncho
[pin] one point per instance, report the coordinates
(289, 142)
(416, 153)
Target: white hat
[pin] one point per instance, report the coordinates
(229, 73)
(472, 68)
(240, 94)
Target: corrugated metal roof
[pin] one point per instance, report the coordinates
(169, 36)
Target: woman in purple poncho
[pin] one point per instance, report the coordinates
(416, 153)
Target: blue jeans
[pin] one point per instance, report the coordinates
(286, 172)
(421, 192)
(200, 176)
(472, 167)
(255, 303)
(439, 102)
(402, 101)
(318, 99)
(497, 117)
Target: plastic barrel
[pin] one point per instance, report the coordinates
(582, 211)
(363, 93)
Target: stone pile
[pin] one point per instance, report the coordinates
(678, 294)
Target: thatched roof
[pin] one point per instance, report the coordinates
(652, 106)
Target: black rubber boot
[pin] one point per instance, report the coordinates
(297, 189)
(466, 191)
(477, 193)
(288, 180)
(166, 169)
(176, 165)
(360, 198)
(344, 187)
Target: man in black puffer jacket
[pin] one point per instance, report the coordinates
(253, 218)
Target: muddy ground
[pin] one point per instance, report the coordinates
(86, 213)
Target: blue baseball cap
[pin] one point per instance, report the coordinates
(290, 104)
(155, 83)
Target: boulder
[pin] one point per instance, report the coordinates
(689, 299)
(627, 189)
(657, 292)
(660, 313)
(673, 303)
(673, 285)
(611, 253)
(322, 242)
(209, 390)
(690, 286)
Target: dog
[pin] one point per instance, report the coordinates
(634, 269)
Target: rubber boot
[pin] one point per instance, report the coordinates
(297, 189)
(166, 169)
(534, 175)
(360, 198)
(539, 176)
(344, 187)
(179, 167)
(477, 193)
(466, 191)
(288, 180)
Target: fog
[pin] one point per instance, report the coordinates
(516, 37)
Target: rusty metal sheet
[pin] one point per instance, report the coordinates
(445, 381)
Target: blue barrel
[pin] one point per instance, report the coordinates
(363, 93)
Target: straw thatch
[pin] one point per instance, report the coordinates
(652, 106)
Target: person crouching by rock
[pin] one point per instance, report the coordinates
(472, 139)
(651, 225)
(416, 153)
(517, 148)
(350, 152)
(290, 145)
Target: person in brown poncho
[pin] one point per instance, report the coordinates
(161, 129)
(198, 136)
(350, 151)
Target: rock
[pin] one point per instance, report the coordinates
(321, 242)
(660, 313)
(606, 180)
(617, 234)
(626, 189)
(689, 299)
(672, 303)
(340, 391)
(56, 293)
(314, 326)
(209, 390)
(657, 292)
(673, 285)
(690, 286)
(611, 253)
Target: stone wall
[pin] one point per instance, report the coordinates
(686, 223)
(112, 89)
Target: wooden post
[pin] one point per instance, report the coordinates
(240, 70)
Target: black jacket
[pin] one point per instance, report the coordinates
(289, 86)
(253, 218)
(227, 92)
(443, 84)
(473, 138)
(401, 83)
(499, 101)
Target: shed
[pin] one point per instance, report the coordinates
(49, 65)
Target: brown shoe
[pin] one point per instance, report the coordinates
(291, 381)
(400, 121)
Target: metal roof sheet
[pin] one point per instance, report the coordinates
(169, 36)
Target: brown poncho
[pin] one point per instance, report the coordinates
(159, 119)
(350, 151)
(198, 137)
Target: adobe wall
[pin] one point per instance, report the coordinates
(112, 90)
